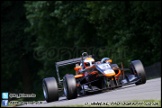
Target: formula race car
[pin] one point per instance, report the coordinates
(91, 76)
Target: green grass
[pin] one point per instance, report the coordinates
(132, 103)
(12, 104)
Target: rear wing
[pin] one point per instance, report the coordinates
(64, 63)
(68, 62)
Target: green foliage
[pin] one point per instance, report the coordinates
(12, 36)
(18, 65)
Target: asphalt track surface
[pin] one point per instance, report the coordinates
(150, 90)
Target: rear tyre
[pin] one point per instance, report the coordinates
(50, 89)
(70, 89)
(138, 69)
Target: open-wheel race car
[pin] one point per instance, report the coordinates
(91, 76)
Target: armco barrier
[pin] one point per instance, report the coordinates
(153, 71)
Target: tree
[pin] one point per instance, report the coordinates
(16, 49)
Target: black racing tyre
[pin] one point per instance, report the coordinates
(70, 88)
(137, 68)
(50, 89)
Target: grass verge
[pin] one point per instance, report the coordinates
(132, 103)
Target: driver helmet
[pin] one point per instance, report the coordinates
(106, 60)
(89, 61)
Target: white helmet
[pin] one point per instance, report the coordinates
(89, 61)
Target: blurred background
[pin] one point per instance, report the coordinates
(36, 34)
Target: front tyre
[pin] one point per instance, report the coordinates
(70, 89)
(50, 89)
(137, 68)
